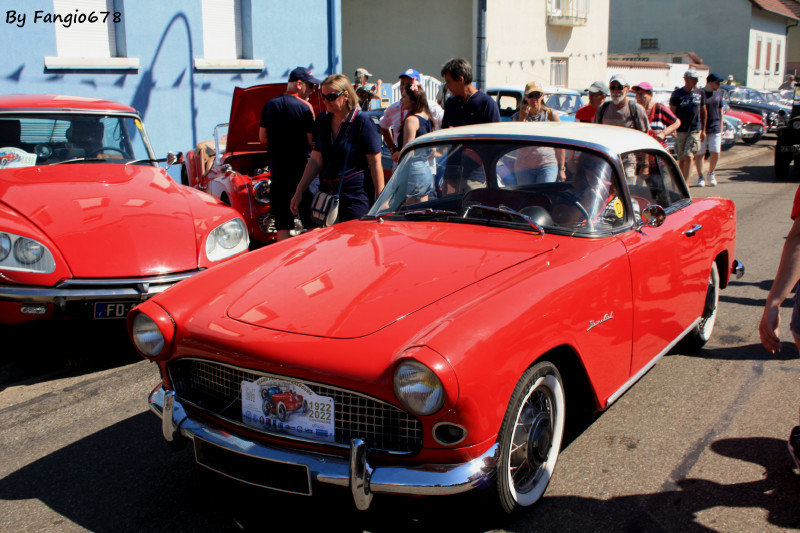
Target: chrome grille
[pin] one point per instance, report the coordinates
(752, 126)
(266, 223)
(216, 388)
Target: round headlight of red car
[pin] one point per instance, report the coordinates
(147, 336)
(5, 245)
(261, 192)
(418, 388)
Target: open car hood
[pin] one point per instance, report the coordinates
(107, 220)
(358, 278)
(246, 107)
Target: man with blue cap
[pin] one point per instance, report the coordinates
(393, 115)
(287, 124)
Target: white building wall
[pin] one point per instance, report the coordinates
(387, 37)
(522, 45)
(766, 72)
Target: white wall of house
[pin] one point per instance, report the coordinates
(767, 51)
(718, 31)
(387, 37)
(522, 45)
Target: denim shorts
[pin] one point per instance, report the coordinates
(420, 179)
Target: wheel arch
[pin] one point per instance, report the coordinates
(578, 390)
(723, 266)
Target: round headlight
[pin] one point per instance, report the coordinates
(261, 192)
(796, 124)
(146, 336)
(28, 251)
(226, 240)
(5, 245)
(418, 388)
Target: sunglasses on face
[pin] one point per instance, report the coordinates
(615, 87)
(535, 94)
(330, 97)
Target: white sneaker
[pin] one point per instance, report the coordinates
(712, 180)
(701, 182)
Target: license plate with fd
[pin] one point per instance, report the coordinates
(104, 310)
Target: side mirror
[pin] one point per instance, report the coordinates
(653, 216)
(174, 158)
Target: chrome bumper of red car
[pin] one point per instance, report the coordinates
(93, 289)
(356, 472)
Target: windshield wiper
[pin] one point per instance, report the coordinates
(80, 160)
(508, 211)
(417, 213)
(134, 161)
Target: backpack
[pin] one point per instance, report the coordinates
(631, 106)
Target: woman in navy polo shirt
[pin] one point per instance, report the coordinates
(346, 146)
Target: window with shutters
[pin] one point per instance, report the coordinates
(558, 72)
(227, 36)
(90, 34)
(758, 55)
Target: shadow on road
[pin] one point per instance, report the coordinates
(40, 352)
(125, 479)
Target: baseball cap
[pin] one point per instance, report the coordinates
(690, 74)
(303, 74)
(598, 87)
(360, 71)
(645, 86)
(533, 86)
(619, 79)
(712, 78)
(411, 73)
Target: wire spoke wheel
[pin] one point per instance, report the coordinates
(531, 437)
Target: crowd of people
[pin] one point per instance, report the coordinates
(339, 153)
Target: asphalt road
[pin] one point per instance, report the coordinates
(699, 444)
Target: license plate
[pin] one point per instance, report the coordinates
(287, 407)
(259, 471)
(791, 149)
(104, 310)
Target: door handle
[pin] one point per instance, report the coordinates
(694, 229)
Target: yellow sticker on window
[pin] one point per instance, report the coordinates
(138, 123)
(619, 210)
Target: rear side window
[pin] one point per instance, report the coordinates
(653, 179)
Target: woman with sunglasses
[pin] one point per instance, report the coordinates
(346, 147)
(539, 164)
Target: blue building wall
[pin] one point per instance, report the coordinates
(180, 105)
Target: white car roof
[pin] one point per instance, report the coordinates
(614, 139)
(521, 88)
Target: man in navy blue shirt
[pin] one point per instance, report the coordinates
(468, 105)
(287, 124)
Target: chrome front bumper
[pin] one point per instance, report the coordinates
(93, 289)
(356, 472)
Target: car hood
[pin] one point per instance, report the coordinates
(245, 119)
(357, 278)
(107, 220)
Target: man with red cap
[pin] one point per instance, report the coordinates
(663, 122)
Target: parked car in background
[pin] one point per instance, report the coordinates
(753, 124)
(564, 102)
(747, 99)
(731, 131)
(787, 148)
(442, 343)
(89, 224)
(234, 167)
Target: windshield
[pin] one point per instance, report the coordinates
(52, 138)
(746, 95)
(449, 181)
(568, 103)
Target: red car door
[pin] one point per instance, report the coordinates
(669, 264)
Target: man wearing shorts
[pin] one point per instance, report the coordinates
(688, 103)
(287, 123)
(713, 140)
(785, 279)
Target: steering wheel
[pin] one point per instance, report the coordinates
(575, 203)
(105, 149)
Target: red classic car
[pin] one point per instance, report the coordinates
(89, 224)
(452, 334)
(234, 167)
(754, 126)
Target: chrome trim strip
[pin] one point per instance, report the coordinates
(628, 384)
(433, 479)
(93, 289)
